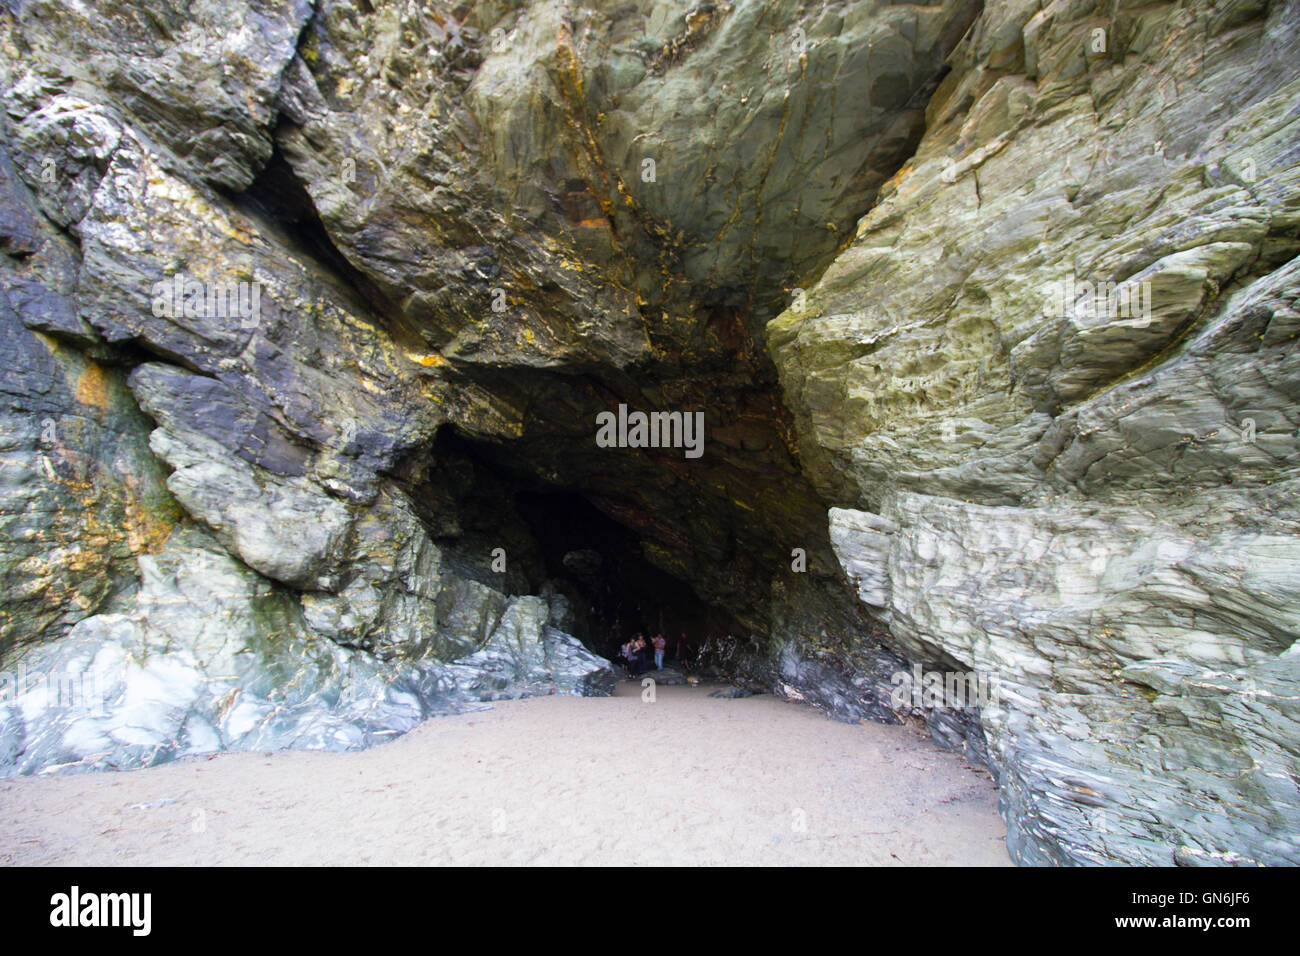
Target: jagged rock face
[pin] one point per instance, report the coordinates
(466, 160)
(81, 493)
(211, 656)
(200, 79)
(610, 168)
(240, 511)
(276, 588)
(1096, 506)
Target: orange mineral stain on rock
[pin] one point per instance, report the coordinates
(92, 386)
(147, 529)
(427, 359)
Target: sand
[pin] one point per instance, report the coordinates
(687, 779)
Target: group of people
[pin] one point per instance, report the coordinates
(633, 654)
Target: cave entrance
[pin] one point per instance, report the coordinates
(475, 501)
(614, 590)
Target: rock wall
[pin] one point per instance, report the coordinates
(237, 566)
(1094, 504)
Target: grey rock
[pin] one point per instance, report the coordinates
(731, 693)
(209, 657)
(201, 78)
(1069, 502)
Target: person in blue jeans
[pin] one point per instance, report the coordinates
(660, 645)
(638, 656)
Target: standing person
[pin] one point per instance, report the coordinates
(660, 646)
(638, 656)
(624, 657)
(683, 652)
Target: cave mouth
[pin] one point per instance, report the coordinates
(479, 500)
(613, 590)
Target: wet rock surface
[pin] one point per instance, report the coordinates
(310, 309)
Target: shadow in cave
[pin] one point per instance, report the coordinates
(474, 500)
(615, 592)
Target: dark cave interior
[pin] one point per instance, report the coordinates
(554, 535)
(615, 592)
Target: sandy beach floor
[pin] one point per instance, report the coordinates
(688, 779)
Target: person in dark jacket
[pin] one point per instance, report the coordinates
(638, 658)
